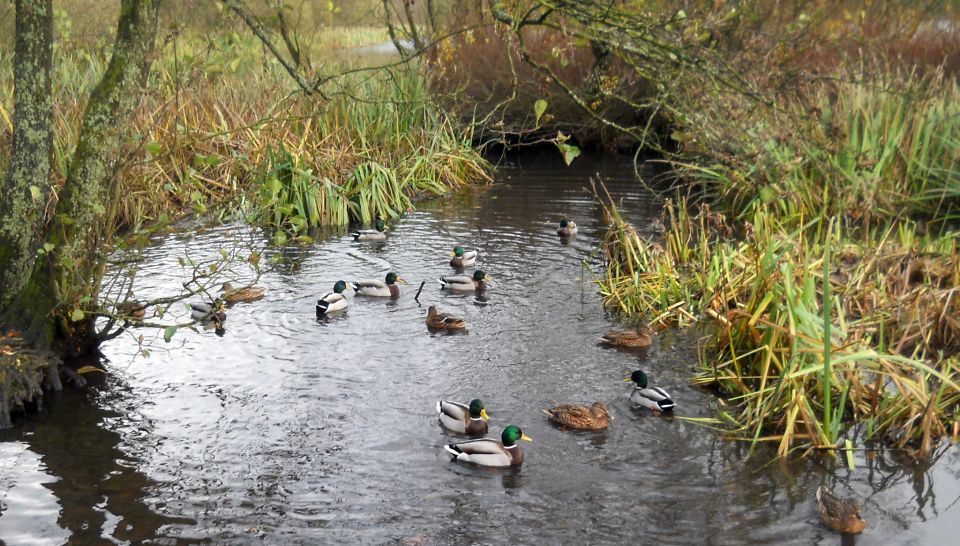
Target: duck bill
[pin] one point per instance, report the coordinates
(628, 380)
(484, 415)
(525, 437)
(401, 281)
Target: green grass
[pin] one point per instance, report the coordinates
(809, 335)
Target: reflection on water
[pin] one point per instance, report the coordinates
(297, 430)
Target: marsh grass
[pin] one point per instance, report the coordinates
(810, 338)
(219, 119)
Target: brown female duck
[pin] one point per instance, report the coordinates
(596, 417)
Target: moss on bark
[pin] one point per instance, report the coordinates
(27, 184)
(78, 230)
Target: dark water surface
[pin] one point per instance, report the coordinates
(290, 430)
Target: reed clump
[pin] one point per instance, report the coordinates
(219, 119)
(811, 338)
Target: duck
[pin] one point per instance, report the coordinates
(443, 321)
(567, 228)
(205, 313)
(463, 258)
(596, 417)
(132, 310)
(840, 514)
(377, 234)
(641, 337)
(232, 295)
(464, 283)
(654, 398)
(489, 452)
(333, 301)
(461, 418)
(386, 288)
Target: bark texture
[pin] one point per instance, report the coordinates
(26, 187)
(67, 279)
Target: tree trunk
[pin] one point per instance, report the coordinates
(27, 184)
(67, 280)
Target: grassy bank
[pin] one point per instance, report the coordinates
(811, 338)
(219, 118)
(815, 243)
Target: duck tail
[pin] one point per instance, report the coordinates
(322, 307)
(356, 287)
(356, 235)
(666, 405)
(453, 450)
(439, 406)
(442, 281)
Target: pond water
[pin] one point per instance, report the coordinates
(293, 430)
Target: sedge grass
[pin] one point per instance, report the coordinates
(809, 334)
(216, 113)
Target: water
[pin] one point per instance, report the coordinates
(290, 430)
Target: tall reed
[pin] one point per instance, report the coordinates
(808, 335)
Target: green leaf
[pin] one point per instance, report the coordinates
(77, 315)
(196, 197)
(168, 333)
(36, 193)
(153, 148)
(767, 195)
(681, 136)
(539, 108)
(89, 369)
(280, 238)
(48, 247)
(569, 151)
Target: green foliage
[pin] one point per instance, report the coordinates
(812, 333)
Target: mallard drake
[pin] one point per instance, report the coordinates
(231, 294)
(377, 234)
(641, 337)
(443, 321)
(205, 313)
(596, 417)
(462, 418)
(489, 452)
(654, 398)
(333, 301)
(567, 228)
(463, 258)
(464, 283)
(386, 288)
(840, 514)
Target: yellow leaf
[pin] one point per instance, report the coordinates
(88, 369)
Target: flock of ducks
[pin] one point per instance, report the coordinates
(838, 513)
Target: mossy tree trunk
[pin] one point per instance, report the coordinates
(26, 187)
(65, 281)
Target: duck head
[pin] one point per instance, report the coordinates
(477, 410)
(639, 378)
(511, 435)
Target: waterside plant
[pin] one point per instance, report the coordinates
(811, 337)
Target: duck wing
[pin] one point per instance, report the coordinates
(453, 415)
(371, 287)
(331, 301)
(654, 398)
(484, 452)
